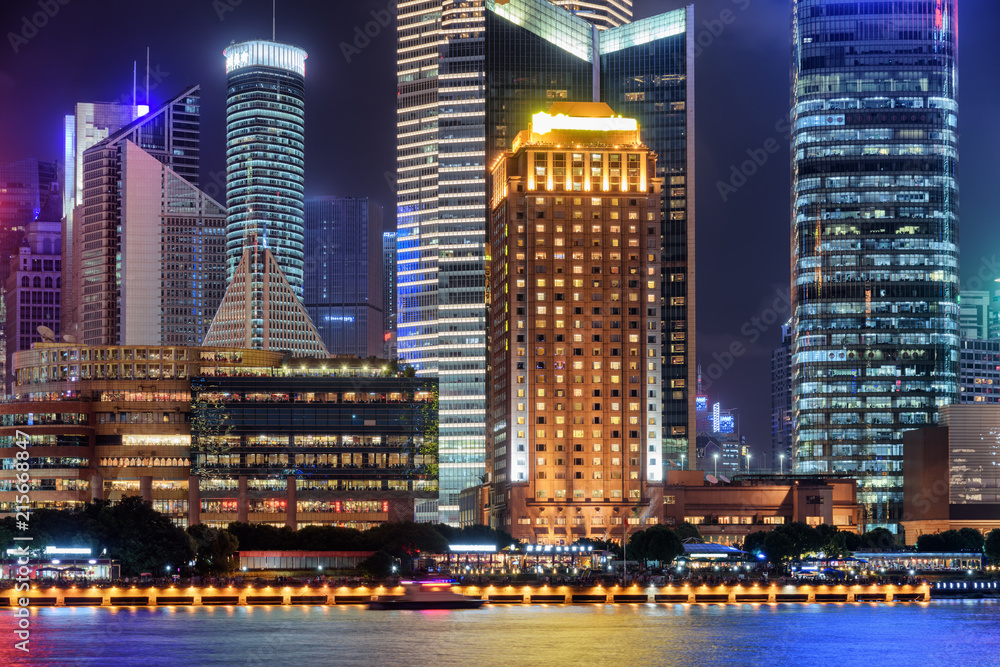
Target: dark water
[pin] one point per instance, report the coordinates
(932, 634)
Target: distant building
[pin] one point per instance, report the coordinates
(951, 479)
(974, 314)
(574, 408)
(781, 403)
(979, 371)
(25, 189)
(34, 287)
(389, 285)
(265, 154)
(344, 276)
(727, 513)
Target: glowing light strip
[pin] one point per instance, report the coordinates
(543, 123)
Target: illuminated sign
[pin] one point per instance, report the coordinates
(486, 548)
(542, 123)
(67, 551)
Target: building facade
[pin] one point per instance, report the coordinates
(974, 314)
(781, 403)
(389, 289)
(575, 399)
(34, 288)
(951, 478)
(874, 238)
(132, 206)
(462, 98)
(602, 13)
(215, 435)
(344, 278)
(265, 154)
(979, 371)
(726, 513)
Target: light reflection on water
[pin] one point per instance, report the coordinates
(936, 633)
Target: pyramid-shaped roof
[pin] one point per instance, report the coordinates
(260, 311)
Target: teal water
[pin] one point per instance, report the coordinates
(928, 634)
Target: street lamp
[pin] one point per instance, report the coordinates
(748, 463)
(781, 463)
(716, 457)
(682, 460)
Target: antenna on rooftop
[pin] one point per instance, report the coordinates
(273, 11)
(147, 77)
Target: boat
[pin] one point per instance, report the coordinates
(426, 595)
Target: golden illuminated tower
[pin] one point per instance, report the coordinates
(574, 420)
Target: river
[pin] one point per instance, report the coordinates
(937, 633)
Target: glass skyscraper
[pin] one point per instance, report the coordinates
(265, 153)
(462, 98)
(875, 236)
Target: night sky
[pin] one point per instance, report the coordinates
(84, 53)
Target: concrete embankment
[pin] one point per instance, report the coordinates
(331, 595)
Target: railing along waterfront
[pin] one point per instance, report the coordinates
(510, 594)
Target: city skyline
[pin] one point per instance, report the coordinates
(737, 41)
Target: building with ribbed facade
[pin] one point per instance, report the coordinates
(265, 154)
(874, 236)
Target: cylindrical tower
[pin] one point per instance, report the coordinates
(874, 236)
(265, 152)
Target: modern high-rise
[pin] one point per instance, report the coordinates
(874, 236)
(781, 403)
(462, 96)
(147, 251)
(602, 13)
(574, 320)
(265, 154)
(343, 277)
(389, 284)
(89, 124)
(974, 314)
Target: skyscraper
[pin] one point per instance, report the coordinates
(142, 210)
(265, 154)
(875, 236)
(89, 124)
(781, 403)
(602, 13)
(343, 278)
(574, 410)
(515, 59)
(389, 285)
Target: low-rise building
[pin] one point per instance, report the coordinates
(951, 476)
(726, 513)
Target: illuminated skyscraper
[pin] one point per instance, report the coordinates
(574, 422)
(602, 13)
(265, 154)
(875, 236)
(492, 65)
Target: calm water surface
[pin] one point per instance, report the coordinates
(936, 633)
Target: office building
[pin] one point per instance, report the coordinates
(26, 187)
(974, 314)
(89, 124)
(135, 213)
(575, 399)
(215, 435)
(389, 286)
(979, 371)
(34, 286)
(951, 477)
(726, 512)
(260, 310)
(781, 403)
(875, 237)
(515, 59)
(265, 154)
(602, 13)
(344, 275)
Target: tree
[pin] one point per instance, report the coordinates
(833, 541)
(378, 565)
(879, 539)
(217, 550)
(210, 429)
(406, 539)
(600, 545)
(992, 545)
(966, 539)
(142, 539)
(429, 447)
(930, 543)
(656, 543)
(753, 543)
(688, 530)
